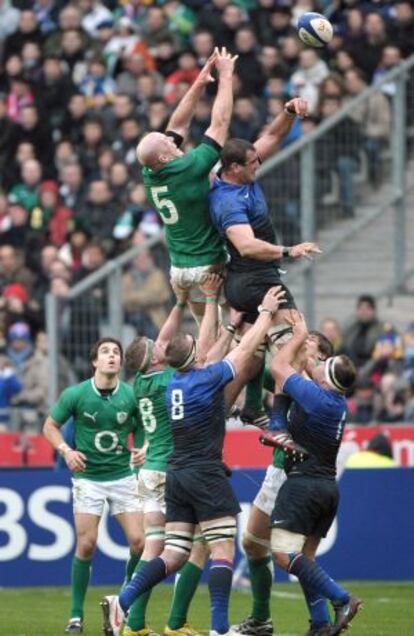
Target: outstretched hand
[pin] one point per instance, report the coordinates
(305, 250)
(211, 286)
(297, 106)
(273, 299)
(205, 76)
(225, 61)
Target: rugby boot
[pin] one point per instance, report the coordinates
(282, 439)
(344, 615)
(254, 418)
(185, 630)
(145, 631)
(113, 616)
(75, 626)
(322, 630)
(252, 627)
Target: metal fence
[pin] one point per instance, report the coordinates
(92, 309)
(314, 183)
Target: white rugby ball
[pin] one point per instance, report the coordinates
(314, 29)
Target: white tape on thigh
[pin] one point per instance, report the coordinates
(219, 529)
(251, 537)
(179, 541)
(286, 542)
(279, 335)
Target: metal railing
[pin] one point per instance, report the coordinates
(303, 185)
(91, 309)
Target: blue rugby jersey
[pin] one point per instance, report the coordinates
(232, 204)
(196, 410)
(316, 421)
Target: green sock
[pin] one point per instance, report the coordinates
(131, 564)
(254, 392)
(136, 616)
(186, 583)
(81, 570)
(261, 578)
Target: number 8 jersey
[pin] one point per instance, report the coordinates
(179, 192)
(150, 395)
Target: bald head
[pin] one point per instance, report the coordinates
(156, 149)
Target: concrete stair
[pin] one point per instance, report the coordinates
(358, 259)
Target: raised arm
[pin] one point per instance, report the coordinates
(222, 345)
(181, 118)
(269, 142)
(173, 323)
(282, 364)
(209, 324)
(240, 355)
(223, 104)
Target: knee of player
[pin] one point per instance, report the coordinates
(85, 546)
(285, 545)
(223, 550)
(200, 551)
(252, 549)
(174, 560)
(136, 544)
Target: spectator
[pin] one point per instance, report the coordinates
(27, 31)
(390, 58)
(56, 88)
(343, 143)
(187, 72)
(26, 193)
(367, 52)
(9, 20)
(402, 27)
(360, 336)
(12, 269)
(364, 405)
(306, 80)
(97, 85)
(93, 142)
(72, 252)
(248, 66)
(94, 13)
(19, 347)
(16, 230)
(10, 386)
(36, 131)
(378, 454)
(72, 189)
(374, 117)
(145, 293)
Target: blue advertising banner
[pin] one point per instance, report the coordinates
(370, 538)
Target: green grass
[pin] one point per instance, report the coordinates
(388, 610)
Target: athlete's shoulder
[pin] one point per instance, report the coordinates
(79, 389)
(126, 388)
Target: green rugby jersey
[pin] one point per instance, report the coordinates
(150, 395)
(102, 426)
(278, 460)
(179, 192)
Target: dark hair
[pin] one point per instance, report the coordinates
(325, 346)
(235, 151)
(345, 371)
(381, 444)
(135, 353)
(93, 354)
(177, 350)
(368, 299)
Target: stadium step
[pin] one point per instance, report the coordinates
(359, 260)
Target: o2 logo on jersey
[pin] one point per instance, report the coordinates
(107, 441)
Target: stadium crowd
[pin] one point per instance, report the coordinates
(82, 82)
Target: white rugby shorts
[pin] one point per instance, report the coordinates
(266, 497)
(151, 490)
(89, 496)
(192, 277)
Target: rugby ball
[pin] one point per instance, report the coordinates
(314, 29)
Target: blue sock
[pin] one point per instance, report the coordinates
(312, 576)
(219, 585)
(317, 605)
(151, 574)
(278, 419)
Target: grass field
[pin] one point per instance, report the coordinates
(388, 610)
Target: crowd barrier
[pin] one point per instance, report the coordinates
(370, 538)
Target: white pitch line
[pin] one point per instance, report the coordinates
(290, 595)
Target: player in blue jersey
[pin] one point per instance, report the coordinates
(307, 502)
(239, 211)
(197, 488)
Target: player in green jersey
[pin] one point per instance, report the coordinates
(177, 184)
(256, 539)
(105, 414)
(146, 358)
